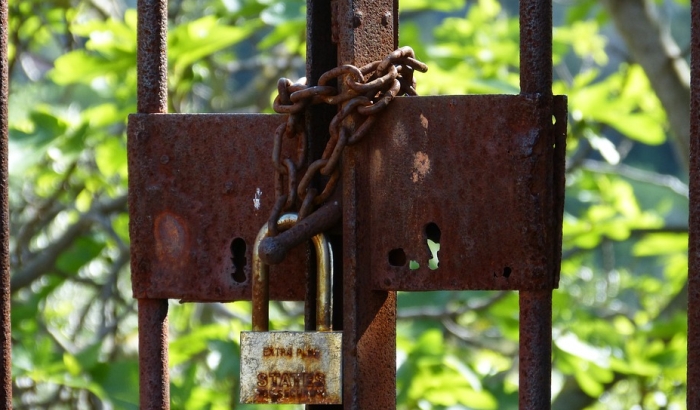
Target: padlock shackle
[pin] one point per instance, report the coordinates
(261, 279)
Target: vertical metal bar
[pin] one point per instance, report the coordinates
(154, 386)
(535, 306)
(321, 56)
(693, 389)
(152, 65)
(152, 59)
(535, 350)
(366, 32)
(536, 46)
(5, 338)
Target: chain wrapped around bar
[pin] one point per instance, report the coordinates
(369, 90)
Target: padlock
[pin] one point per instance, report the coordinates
(291, 367)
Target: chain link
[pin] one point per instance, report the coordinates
(369, 89)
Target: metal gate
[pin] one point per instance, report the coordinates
(178, 243)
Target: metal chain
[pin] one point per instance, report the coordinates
(369, 90)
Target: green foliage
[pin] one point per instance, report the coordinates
(619, 316)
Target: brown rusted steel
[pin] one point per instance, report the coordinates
(560, 115)
(199, 184)
(481, 184)
(369, 321)
(321, 56)
(5, 326)
(536, 46)
(535, 364)
(367, 91)
(292, 367)
(693, 388)
(273, 249)
(536, 306)
(261, 278)
(152, 59)
(152, 90)
(154, 384)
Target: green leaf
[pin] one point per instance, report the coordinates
(439, 5)
(110, 157)
(195, 40)
(81, 252)
(80, 67)
(661, 244)
(196, 341)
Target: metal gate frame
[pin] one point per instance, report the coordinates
(376, 321)
(369, 316)
(693, 363)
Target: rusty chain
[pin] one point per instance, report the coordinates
(369, 89)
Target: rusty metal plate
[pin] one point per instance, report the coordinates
(476, 174)
(200, 188)
(291, 367)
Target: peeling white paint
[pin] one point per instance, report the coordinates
(256, 199)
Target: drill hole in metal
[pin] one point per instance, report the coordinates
(397, 257)
(507, 271)
(238, 250)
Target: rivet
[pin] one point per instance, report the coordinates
(357, 19)
(386, 18)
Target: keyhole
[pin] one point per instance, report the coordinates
(432, 235)
(238, 248)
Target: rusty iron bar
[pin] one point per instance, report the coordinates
(5, 331)
(536, 46)
(152, 58)
(535, 306)
(366, 31)
(152, 65)
(274, 249)
(693, 365)
(154, 385)
(321, 56)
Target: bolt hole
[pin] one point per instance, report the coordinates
(397, 257)
(507, 271)
(238, 250)
(413, 265)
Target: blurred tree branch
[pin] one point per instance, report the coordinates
(654, 49)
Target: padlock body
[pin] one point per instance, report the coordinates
(291, 367)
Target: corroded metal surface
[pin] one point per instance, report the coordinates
(154, 384)
(5, 308)
(482, 184)
(367, 30)
(535, 353)
(261, 282)
(152, 59)
(152, 68)
(197, 183)
(291, 367)
(693, 389)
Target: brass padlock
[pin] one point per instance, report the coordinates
(291, 367)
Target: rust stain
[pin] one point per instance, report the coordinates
(421, 166)
(171, 237)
